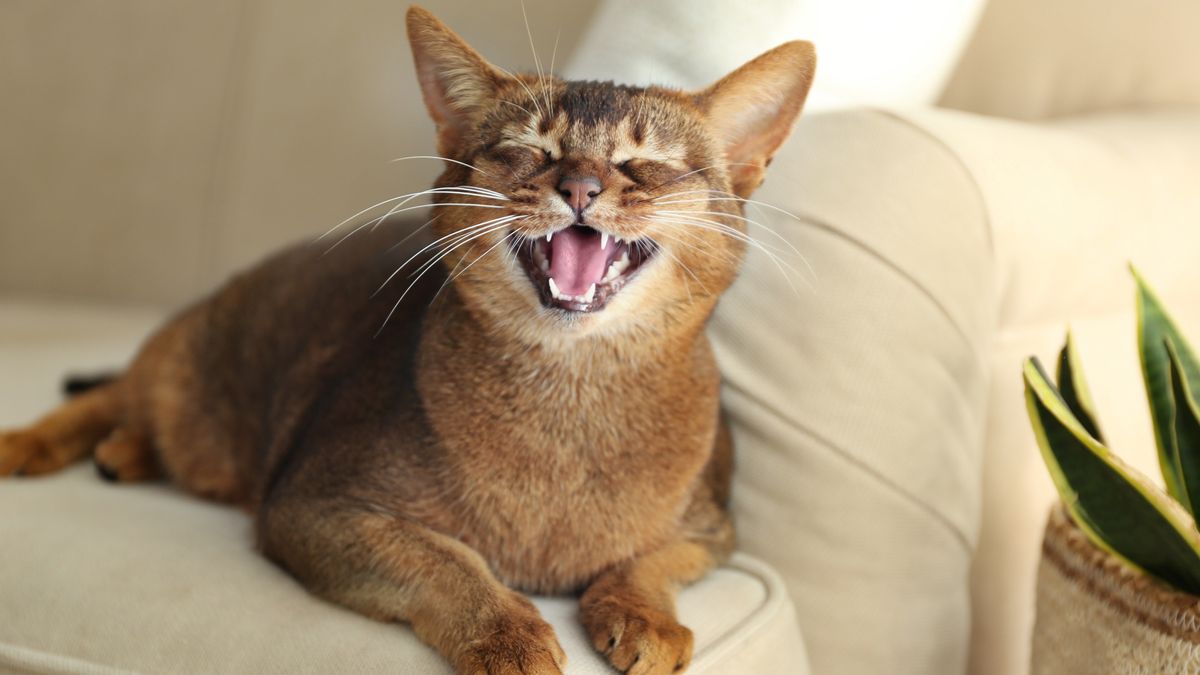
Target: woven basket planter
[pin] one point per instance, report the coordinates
(1097, 615)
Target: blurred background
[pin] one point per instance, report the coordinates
(152, 146)
(970, 175)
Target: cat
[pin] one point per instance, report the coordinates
(536, 411)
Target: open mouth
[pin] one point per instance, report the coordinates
(580, 269)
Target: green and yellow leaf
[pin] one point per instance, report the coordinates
(1186, 426)
(1074, 388)
(1154, 328)
(1120, 510)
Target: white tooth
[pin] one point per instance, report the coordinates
(549, 236)
(610, 274)
(591, 293)
(545, 265)
(554, 289)
(624, 258)
(603, 240)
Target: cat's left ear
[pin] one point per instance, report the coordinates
(456, 81)
(751, 110)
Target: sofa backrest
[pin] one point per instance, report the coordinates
(150, 148)
(1036, 59)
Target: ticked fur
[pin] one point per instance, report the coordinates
(421, 451)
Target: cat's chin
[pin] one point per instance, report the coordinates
(591, 267)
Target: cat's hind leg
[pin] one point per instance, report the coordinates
(127, 456)
(67, 434)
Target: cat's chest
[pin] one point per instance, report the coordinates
(552, 488)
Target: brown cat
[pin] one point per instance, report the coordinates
(539, 410)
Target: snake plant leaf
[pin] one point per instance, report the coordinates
(1186, 425)
(1120, 510)
(1074, 389)
(1155, 326)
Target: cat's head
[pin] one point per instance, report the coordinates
(573, 208)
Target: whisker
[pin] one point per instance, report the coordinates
(412, 234)
(444, 159)
(739, 236)
(464, 239)
(537, 106)
(418, 278)
(553, 53)
(537, 63)
(457, 233)
(407, 208)
(727, 197)
(408, 197)
(461, 191)
(743, 219)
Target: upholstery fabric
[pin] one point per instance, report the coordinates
(858, 397)
(111, 579)
(692, 44)
(1034, 59)
(1070, 205)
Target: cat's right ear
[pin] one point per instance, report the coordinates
(456, 81)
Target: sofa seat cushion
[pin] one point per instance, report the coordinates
(101, 578)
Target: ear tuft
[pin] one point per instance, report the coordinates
(456, 82)
(751, 111)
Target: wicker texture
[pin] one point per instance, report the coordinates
(1096, 614)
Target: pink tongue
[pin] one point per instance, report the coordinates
(576, 260)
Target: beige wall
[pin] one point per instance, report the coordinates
(151, 146)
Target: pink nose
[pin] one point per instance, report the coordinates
(578, 192)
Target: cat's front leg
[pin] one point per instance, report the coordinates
(629, 610)
(393, 569)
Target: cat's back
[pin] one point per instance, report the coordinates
(236, 376)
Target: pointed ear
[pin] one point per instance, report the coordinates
(455, 80)
(751, 110)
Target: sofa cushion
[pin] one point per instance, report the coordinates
(100, 578)
(694, 43)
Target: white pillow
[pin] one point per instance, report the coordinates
(869, 52)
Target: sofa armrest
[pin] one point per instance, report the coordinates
(858, 400)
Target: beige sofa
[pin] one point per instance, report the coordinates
(889, 495)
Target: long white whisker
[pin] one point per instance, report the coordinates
(412, 234)
(743, 219)
(466, 238)
(750, 221)
(482, 192)
(452, 235)
(537, 106)
(461, 191)
(711, 224)
(727, 197)
(553, 53)
(418, 278)
(536, 61)
(408, 208)
(444, 159)
(740, 236)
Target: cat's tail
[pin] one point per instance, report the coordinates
(73, 385)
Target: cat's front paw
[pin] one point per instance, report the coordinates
(636, 639)
(519, 642)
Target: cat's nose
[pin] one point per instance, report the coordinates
(578, 192)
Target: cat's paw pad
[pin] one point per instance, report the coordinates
(638, 640)
(518, 643)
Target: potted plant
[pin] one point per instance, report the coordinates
(1119, 581)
